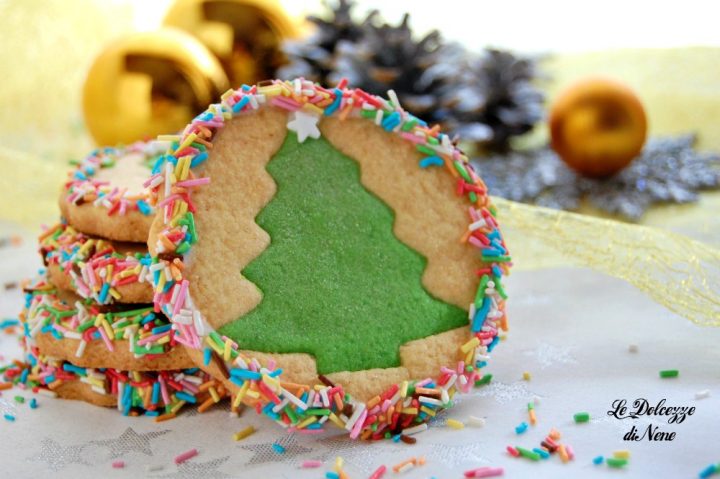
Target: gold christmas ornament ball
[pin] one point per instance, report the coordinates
(149, 83)
(597, 126)
(245, 35)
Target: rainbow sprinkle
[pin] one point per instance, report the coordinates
(95, 268)
(81, 187)
(148, 334)
(152, 393)
(399, 411)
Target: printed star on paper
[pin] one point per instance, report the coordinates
(264, 453)
(193, 470)
(56, 456)
(305, 125)
(130, 441)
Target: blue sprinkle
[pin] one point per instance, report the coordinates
(155, 393)
(144, 207)
(245, 87)
(493, 343)
(185, 397)
(278, 448)
(241, 104)
(24, 374)
(56, 334)
(275, 373)
(49, 379)
(481, 315)
(431, 161)
(599, 460)
(9, 417)
(147, 318)
(391, 121)
(161, 329)
(336, 102)
(496, 270)
(6, 323)
(396, 438)
(332, 475)
(245, 374)
(236, 381)
(152, 413)
(103, 293)
(521, 428)
(191, 370)
(198, 159)
(33, 403)
(207, 354)
(708, 471)
(74, 369)
(543, 453)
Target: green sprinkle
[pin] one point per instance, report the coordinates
(19, 399)
(669, 373)
(581, 417)
(183, 248)
(534, 456)
(318, 412)
(426, 150)
(496, 259)
(484, 380)
(480, 294)
(531, 406)
(616, 462)
(461, 169)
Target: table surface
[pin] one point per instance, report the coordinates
(570, 329)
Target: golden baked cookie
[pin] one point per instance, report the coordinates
(329, 256)
(105, 196)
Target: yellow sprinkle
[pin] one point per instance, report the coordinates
(622, 454)
(455, 424)
(177, 407)
(163, 340)
(168, 138)
(214, 394)
(271, 382)
(239, 436)
(339, 463)
(240, 395)
(254, 394)
(227, 349)
(410, 410)
(403, 389)
(307, 422)
(227, 94)
(114, 293)
(526, 376)
(188, 140)
(469, 357)
(338, 422)
(470, 345)
(427, 410)
(214, 346)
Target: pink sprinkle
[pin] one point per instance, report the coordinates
(186, 455)
(194, 182)
(105, 339)
(570, 452)
(118, 464)
(311, 464)
(379, 472)
(485, 472)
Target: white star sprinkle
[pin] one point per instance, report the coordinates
(305, 125)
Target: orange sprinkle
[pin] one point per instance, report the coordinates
(206, 385)
(563, 453)
(554, 434)
(206, 405)
(373, 402)
(5, 386)
(165, 417)
(533, 419)
(466, 236)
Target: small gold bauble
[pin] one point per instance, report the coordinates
(245, 35)
(597, 126)
(150, 83)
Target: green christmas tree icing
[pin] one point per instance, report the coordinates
(336, 282)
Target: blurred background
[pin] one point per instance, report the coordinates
(491, 71)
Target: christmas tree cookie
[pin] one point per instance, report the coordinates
(328, 256)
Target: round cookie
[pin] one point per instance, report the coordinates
(159, 394)
(91, 335)
(104, 195)
(329, 256)
(93, 268)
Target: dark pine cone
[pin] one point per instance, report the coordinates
(313, 57)
(496, 100)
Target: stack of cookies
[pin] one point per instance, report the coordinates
(91, 331)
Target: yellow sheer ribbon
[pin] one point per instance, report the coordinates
(675, 271)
